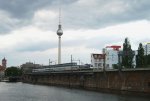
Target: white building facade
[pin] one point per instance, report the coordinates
(111, 58)
(134, 58)
(97, 60)
(147, 49)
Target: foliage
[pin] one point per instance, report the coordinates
(140, 59)
(13, 71)
(147, 59)
(115, 66)
(127, 57)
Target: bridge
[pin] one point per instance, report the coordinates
(125, 80)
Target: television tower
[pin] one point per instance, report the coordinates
(59, 33)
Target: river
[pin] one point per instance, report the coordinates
(28, 92)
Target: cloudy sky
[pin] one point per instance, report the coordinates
(28, 28)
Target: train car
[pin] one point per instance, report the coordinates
(61, 67)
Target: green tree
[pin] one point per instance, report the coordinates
(115, 66)
(127, 57)
(148, 60)
(13, 71)
(140, 61)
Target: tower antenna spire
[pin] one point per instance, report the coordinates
(59, 15)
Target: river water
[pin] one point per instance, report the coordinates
(28, 92)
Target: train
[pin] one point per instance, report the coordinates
(61, 67)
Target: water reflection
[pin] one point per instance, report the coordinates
(27, 92)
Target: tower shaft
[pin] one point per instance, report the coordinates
(59, 50)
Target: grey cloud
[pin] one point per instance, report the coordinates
(35, 46)
(101, 15)
(45, 45)
(23, 11)
(26, 8)
(98, 43)
(6, 23)
(74, 42)
(76, 15)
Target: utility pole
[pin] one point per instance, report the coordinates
(71, 58)
(49, 62)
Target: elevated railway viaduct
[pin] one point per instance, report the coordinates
(126, 80)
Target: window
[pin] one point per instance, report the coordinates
(99, 65)
(95, 64)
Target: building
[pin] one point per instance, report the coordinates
(97, 60)
(108, 58)
(147, 49)
(28, 66)
(111, 56)
(3, 67)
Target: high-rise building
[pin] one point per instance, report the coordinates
(59, 33)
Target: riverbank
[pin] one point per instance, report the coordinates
(11, 79)
(107, 91)
(135, 82)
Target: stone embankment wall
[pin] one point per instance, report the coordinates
(128, 81)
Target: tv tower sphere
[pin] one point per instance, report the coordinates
(59, 31)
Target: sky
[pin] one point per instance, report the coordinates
(28, 28)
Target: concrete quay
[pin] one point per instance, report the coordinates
(136, 81)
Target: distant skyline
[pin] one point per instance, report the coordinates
(28, 28)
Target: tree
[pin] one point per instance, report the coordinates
(127, 57)
(147, 59)
(115, 66)
(13, 71)
(140, 61)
